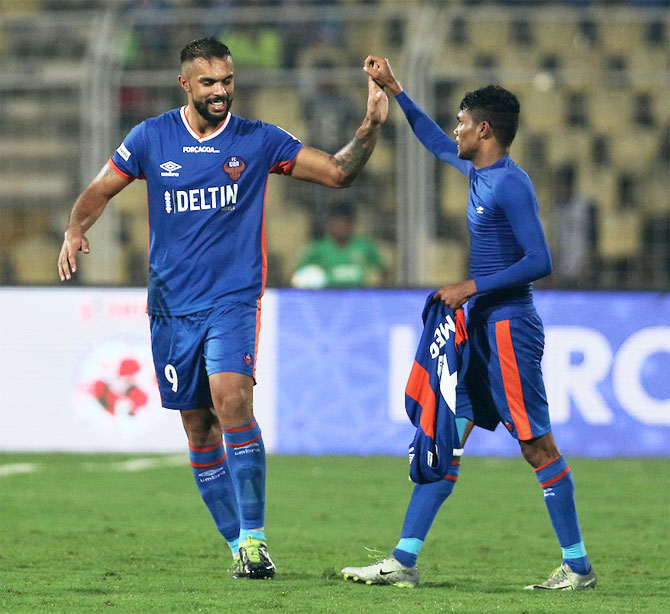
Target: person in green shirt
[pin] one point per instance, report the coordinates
(342, 259)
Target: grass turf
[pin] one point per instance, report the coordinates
(79, 535)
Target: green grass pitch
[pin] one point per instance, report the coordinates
(83, 534)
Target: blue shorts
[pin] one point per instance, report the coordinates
(501, 377)
(188, 349)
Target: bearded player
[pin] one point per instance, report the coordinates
(207, 172)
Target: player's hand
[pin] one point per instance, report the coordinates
(378, 103)
(75, 240)
(456, 295)
(379, 69)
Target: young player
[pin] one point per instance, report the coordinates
(206, 172)
(503, 380)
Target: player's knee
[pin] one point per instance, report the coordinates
(540, 451)
(233, 407)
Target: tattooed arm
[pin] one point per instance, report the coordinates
(86, 210)
(339, 170)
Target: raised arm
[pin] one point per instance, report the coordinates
(85, 211)
(340, 169)
(431, 136)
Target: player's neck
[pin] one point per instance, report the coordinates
(199, 123)
(486, 156)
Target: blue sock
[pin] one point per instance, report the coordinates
(559, 496)
(423, 507)
(212, 476)
(254, 534)
(246, 460)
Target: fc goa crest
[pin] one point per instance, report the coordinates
(234, 167)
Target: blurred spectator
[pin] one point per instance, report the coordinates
(253, 46)
(329, 111)
(342, 259)
(146, 46)
(141, 46)
(575, 235)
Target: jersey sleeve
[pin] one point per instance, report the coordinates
(431, 136)
(127, 159)
(281, 148)
(517, 200)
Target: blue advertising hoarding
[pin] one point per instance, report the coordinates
(343, 358)
(332, 368)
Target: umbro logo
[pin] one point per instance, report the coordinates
(170, 168)
(211, 475)
(210, 472)
(479, 209)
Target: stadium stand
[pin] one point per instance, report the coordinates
(594, 83)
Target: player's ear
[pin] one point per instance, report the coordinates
(484, 129)
(186, 86)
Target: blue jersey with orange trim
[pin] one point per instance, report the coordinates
(206, 206)
(430, 394)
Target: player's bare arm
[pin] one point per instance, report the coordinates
(379, 69)
(339, 170)
(85, 211)
(456, 295)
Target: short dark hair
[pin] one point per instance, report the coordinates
(206, 48)
(499, 107)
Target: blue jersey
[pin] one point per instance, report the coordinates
(206, 206)
(508, 248)
(430, 394)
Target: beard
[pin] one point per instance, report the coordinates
(208, 115)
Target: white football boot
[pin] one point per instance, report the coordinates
(386, 571)
(564, 579)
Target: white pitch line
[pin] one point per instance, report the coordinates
(141, 464)
(14, 468)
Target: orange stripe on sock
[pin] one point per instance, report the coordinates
(418, 387)
(451, 478)
(512, 380)
(546, 464)
(205, 465)
(244, 443)
(218, 445)
(238, 429)
(556, 478)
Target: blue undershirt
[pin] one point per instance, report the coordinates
(508, 248)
